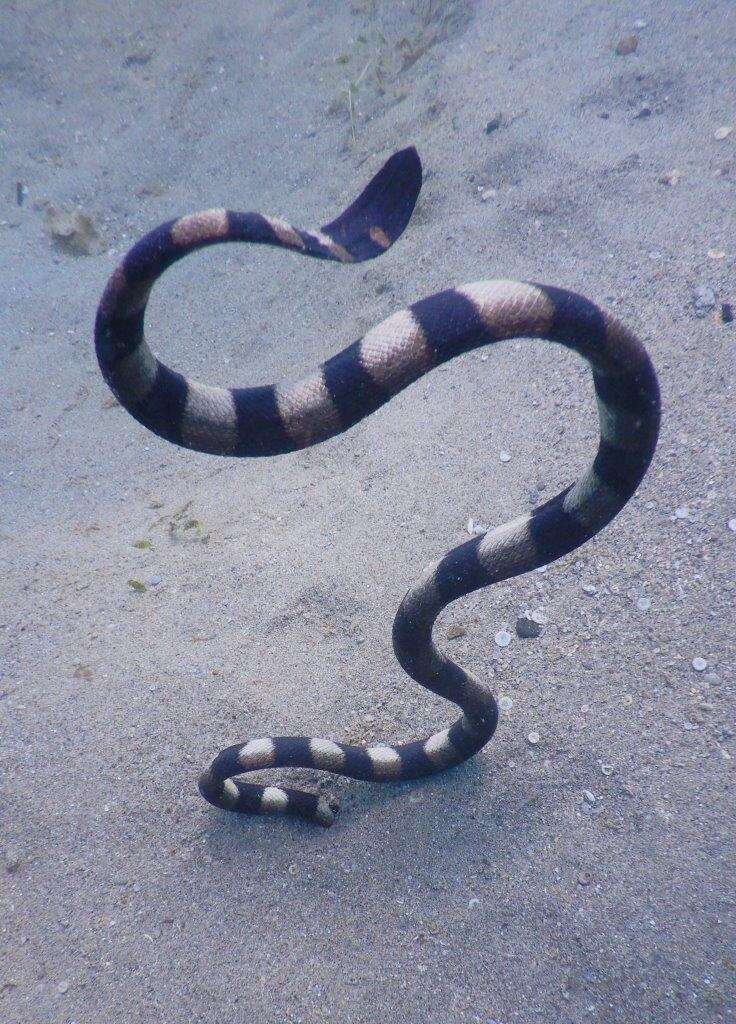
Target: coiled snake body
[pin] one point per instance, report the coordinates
(273, 420)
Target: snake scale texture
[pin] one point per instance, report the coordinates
(274, 420)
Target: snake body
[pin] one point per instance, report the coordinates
(273, 420)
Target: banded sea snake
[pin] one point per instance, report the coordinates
(272, 420)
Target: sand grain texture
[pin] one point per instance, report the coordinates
(579, 878)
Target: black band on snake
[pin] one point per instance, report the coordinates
(262, 421)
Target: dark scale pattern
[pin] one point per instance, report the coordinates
(250, 227)
(162, 411)
(619, 469)
(251, 421)
(460, 572)
(554, 531)
(154, 254)
(577, 322)
(116, 337)
(353, 391)
(259, 425)
(451, 324)
(414, 761)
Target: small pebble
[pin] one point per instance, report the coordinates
(534, 738)
(643, 603)
(588, 588)
(494, 124)
(682, 513)
(12, 861)
(154, 581)
(703, 300)
(732, 525)
(640, 23)
(455, 631)
(488, 193)
(585, 878)
(626, 45)
(726, 313)
(539, 617)
(63, 987)
(644, 111)
(505, 703)
(504, 457)
(527, 628)
(689, 726)
(723, 132)
(502, 638)
(138, 57)
(711, 678)
(474, 902)
(607, 770)
(589, 796)
(700, 664)
(670, 178)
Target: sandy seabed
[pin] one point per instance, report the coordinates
(583, 877)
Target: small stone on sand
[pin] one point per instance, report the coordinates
(626, 45)
(703, 300)
(670, 178)
(527, 628)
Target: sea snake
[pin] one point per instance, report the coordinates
(276, 419)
